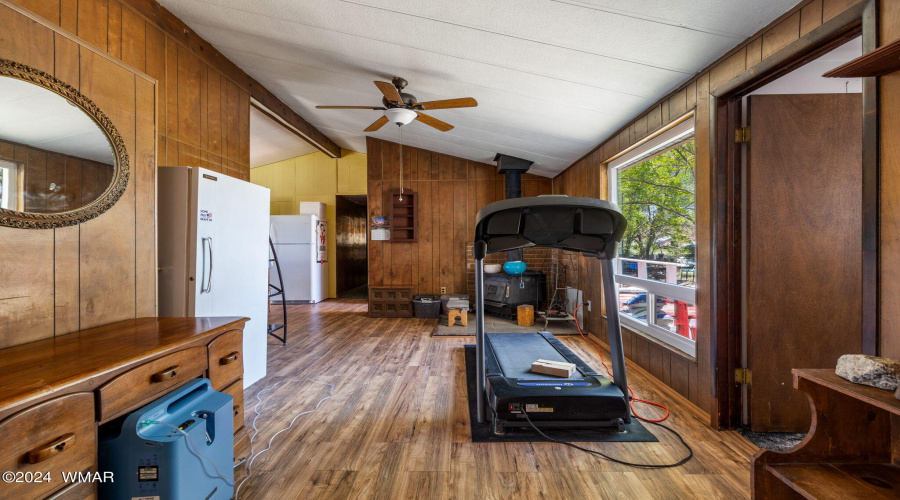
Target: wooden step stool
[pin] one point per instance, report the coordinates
(458, 309)
(460, 314)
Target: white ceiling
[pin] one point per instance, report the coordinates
(553, 78)
(270, 141)
(37, 117)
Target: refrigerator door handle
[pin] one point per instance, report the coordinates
(209, 277)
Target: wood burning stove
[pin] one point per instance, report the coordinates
(504, 293)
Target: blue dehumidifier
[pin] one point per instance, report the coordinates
(150, 458)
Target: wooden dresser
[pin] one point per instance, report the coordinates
(55, 392)
(852, 450)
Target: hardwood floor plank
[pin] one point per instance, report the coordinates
(397, 425)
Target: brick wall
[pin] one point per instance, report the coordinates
(548, 260)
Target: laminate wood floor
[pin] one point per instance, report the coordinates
(397, 425)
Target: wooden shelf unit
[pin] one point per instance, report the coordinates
(879, 62)
(848, 452)
(404, 217)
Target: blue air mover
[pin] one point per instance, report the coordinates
(181, 446)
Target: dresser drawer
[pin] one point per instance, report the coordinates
(242, 447)
(226, 363)
(55, 436)
(77, 491)
(149, 379)
(236, 389)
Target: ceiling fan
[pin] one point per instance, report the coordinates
(401, 107)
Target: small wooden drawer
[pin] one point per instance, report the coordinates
(52, 437)
(236, 389)
(77, 491)
(242, 448)
(226, 363)
(149, 379)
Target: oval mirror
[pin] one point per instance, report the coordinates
(61, 160)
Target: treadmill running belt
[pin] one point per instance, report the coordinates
(516, 351)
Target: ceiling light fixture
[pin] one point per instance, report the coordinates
(400, 116)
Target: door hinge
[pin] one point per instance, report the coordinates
(742, 376)
(742, 134)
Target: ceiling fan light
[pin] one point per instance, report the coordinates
(400, 116)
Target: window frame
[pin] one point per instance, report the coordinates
(648, 149)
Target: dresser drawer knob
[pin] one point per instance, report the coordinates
(231, 358)
(56, 446)
(167, 374)
(237, 409)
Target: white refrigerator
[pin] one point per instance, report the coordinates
(213, 253)
(301, 244)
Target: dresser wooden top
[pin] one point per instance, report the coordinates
(30, 372)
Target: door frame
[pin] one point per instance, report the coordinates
(725, 160)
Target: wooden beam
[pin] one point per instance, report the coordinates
(181, 32)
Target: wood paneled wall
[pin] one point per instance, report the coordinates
(451, 191)
(587, 177)
(58, 281)
(889, 89)
(204, 117)
(78, 181)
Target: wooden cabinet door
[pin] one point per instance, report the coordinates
(804, 246)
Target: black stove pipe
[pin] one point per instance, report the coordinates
(512, 168)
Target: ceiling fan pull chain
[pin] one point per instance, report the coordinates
(401, 162)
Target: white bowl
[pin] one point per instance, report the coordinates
(493, 268)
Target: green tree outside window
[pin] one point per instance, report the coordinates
(658, 198)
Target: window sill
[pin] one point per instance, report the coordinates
(662, 345)
(687, 349)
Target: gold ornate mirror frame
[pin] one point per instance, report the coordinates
(29, 220)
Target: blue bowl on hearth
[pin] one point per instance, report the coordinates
(514, 267)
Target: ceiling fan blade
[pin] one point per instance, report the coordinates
(377, 124)
(462, 102)
(347, 107)
(433, 122)
(389, 91)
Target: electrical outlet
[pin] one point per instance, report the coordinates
(443, 289)
(587, 306)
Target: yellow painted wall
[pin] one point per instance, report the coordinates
(314, 177)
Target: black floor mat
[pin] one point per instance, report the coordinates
(484, 433)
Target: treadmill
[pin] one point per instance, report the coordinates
(505, 384)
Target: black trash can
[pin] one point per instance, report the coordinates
(427, 306)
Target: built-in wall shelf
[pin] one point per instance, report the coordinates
(879, 62)
(404, 217)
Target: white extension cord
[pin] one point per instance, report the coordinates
(192, 447)
(256, 431)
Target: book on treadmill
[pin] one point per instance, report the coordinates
(555, 368)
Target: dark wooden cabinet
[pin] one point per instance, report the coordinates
(404, 217)
(55, 392)
(390, 302)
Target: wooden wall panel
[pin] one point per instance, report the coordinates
(693, 377)
(194, 96)
(890, 190)
(451, 191)
(57, 281)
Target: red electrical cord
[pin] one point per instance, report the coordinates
(609, 372)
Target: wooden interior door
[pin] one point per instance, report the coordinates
(804, 247)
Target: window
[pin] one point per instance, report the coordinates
(656, 276)
(8, 184)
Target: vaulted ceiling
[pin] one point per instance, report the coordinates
(553, 78)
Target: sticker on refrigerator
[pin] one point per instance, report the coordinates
(206, 216)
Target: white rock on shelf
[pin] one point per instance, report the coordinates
(883, 373)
